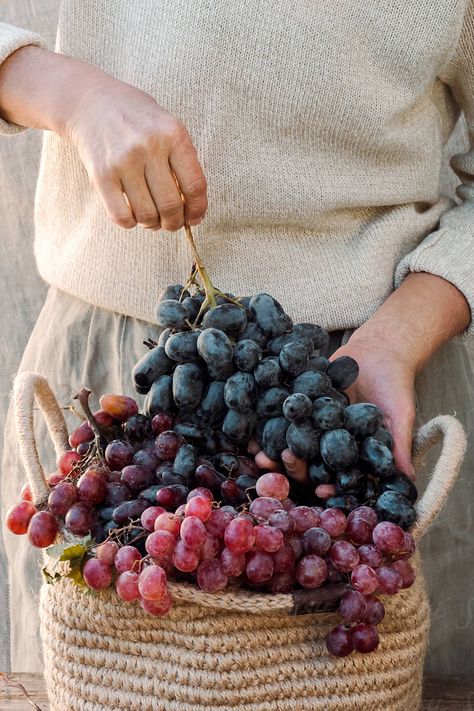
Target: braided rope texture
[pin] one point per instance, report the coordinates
(105, 655)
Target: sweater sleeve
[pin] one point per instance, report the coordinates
(11, 39)
(448, 252)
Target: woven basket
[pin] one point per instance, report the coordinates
(232, 650)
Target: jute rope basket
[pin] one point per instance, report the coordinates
(232, 650)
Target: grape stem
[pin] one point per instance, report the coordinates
(83, 397)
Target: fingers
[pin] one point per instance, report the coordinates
(141, 202)
(264, 462)
(165, 194)
(111, 192)
(185, 165)
(296, 468)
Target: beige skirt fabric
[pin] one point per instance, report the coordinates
(75, 344)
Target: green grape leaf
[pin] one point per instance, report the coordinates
(75, 572)
(50, 579)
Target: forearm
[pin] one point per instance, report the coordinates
(417, 318)
(39, 88)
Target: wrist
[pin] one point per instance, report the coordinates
(388, 334)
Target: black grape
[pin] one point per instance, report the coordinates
(312, 384)
(339, 450)
(303, 440)
(229, 318)
(297, 407)
(294, 358)
(343, 372)
(318, 364)
(182, 346)
(237, 426)
(270, 315)
(393, 506)
(274, 437)
(216, 350)
(363, 419)
(171, 314)
(377, 458)
(268, 372)
(188, 385)
(401, 483)
(270, 402)
(318, 335)
(185, 461)
(385, 437)
(240, 391)
(254, 333)
(213, 408)
(247, 355)
(174, 292)
(327, 414)
(319, 474)
(160, 397)
(150, 366)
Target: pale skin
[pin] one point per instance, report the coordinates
(129, 144)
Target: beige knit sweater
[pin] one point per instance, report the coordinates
(320, 128)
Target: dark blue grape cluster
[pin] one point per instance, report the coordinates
(242, 371)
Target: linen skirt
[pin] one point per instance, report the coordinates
(76, 344)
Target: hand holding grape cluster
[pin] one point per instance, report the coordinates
(175, 491)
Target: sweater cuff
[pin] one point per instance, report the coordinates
(11, 39)
(449, 255)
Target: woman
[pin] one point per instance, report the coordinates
(319, 129)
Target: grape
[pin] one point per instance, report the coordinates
(82, 434)
(333, 521)
(42, 529)
(175, 292)
(185, 461)
(208, 477)
(268, 539)
(171, 314)
(217, 522)
(316, 540)
(259, 567)
(366, 514)
(276, 344)
(343, 556)
(375, 610)
(128, 511)
(270, 402)
(408, 547)
(161, 422)
(364, 579)
(237, 425)
(192, 306)
(268, 373)
(359, 531)
(193, 532)
(212, 408)
(317, 334)
(352, 481)
(126, 586)
(239, 535)
(240, 391)
(311, 571)
(149, 516)
(296, 544)
(167, 445)
(120, 407)
(365, 638)
(274, 437)
(215, 349)
(303, 439)
(304, 518)
(168, 522)
(182, 347)
(199, 506)
(210, 576)
(394, 507)
(339, 641)
(319, 474)
(262, 507)
(67, 461)
(370, 555)
(150, 367)
(270, 315)
(282, 521)
(281, 583)
(328, 414)
(209, 548)
(273, 485)
(127, 558)
(388, 537)
(160, 396)
(343, 372)
(80, 519)
(318, 364)
(381, 435)
(201, 491)
(247, 355)
(352, 607)
(116, 493)
(137, 427)
(61, 498)
(107, 551)
(233, 564)
(339, 450)
(147, 459)
(91, 487)
(152, 584)
(231, 493)
(297, 407)
(185, 559)
(363, 419)
(345, 502)
(25, 493)
(118, 454)
(19, 517)
(377, 458)
(157, 608)
(284, 559)
(325, 491)
(294, 358)
(188, 385)
(97, 574)
(407, 573)
(390, 580)
(312, 384)
(401, 483)
(55, 478)
(172, 496)
(227, 317)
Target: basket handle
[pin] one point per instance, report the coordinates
(28, 389)
(446, 469)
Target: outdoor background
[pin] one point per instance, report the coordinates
(23, 291)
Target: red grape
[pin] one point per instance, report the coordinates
(359, 531)
(353, 606)
(239, 535)
(406, 571)
(217, 522)
(316, 540)
(370, 555)
(375, 610)
(80, 519)
(201, 491)
(25, 493)
(304, 518)
(103, 418)
(263, 507)
(259, 567)
(161, 422)
(168, 522)
(365, 638)
(152, 583)
(284, 559)
(42, 529)
(172, 496)
(333, 521)
(268, 539)
(325, 491)
(233, 564)
(67, 461)
(273, 485)
(149, 517)
(160, 544)
(92, 487)
(199, 506)
(118, 454)
(126, 586)
(193, 532)
(81, 434)
(281, 583)
(390, 581)
(61, 498)
(408, 547)
(210, 576)
(185, 559)
(364, 579)
(157, 608)
(97, 574)
(127, 558)
(120, 407)
(136, 477)
(311, 571)
(366, 514)
(296, 545)
(117, 493)
(107, 551)
(209, 548)
(388, 537)
(282, 521)
(339, 641)
(167, 444)
(343, 556)
(55, 478)
(19, 517)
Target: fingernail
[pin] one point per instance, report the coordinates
(195, 221)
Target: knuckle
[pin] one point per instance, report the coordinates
(123, 220)
(146, 216)
(197, 188)
(171, 208)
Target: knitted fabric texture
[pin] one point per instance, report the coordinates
(319, 127)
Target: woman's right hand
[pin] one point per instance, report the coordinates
(126, 141)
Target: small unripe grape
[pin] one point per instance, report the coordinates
(97, 574)
(19, 517)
